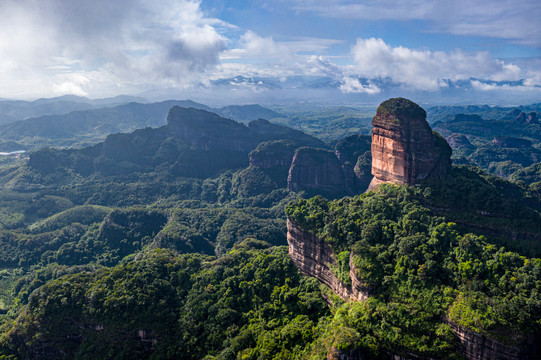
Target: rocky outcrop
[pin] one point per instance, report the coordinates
(274, 159)
(532, 118)
(521, 118)
(332, 174)
(194, 143)
(353, 153)
(273, 154)
(405, 150)
(313, 257)
(475, 346)
(316, 171)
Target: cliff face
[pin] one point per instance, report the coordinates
(194, 143)
(273, 154)
(316, 170)
(475, 346)
(404, 148)
(313, 256)
(353, 152)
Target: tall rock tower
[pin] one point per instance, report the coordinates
(405, 150)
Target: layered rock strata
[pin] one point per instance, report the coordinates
(313, 256)
(475, 346)
(405, 150)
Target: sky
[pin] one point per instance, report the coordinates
(369, 49)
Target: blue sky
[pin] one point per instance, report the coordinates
(104, 48)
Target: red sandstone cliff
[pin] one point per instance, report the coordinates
(313, 257)
(405, 150)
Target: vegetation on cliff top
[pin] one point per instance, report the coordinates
(422, 269)
(80, 257)
(401, 108)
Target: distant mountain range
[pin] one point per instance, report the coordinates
(85, 127)
(13, 110)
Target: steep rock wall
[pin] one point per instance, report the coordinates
(475, 346)
(316, 170)
(313, 256)
(404, 148)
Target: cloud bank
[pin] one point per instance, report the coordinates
(424, 69)
(104, 48)
(69, 46)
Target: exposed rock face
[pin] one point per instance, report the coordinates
(532, 118)
(274, 158)
(313, 256)
(352, 152)
(333, 174)
(404, 148)
(522, 117)
(316, 170)
(194, 143)
(475, 346)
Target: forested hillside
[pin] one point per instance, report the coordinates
(171, 242)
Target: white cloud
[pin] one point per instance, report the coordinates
(115, 42)
(74, 84)
(352, 85)
(252, 45)
(347, 84)
(424, 69)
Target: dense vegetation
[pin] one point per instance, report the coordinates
(153, 244)
(503, 141)
(422, 270)
(250, 302)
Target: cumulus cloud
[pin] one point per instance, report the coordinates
(352, 85)
(513, 20)
(424, 69)
(346, 83)
(126, 41)
(253, 45)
